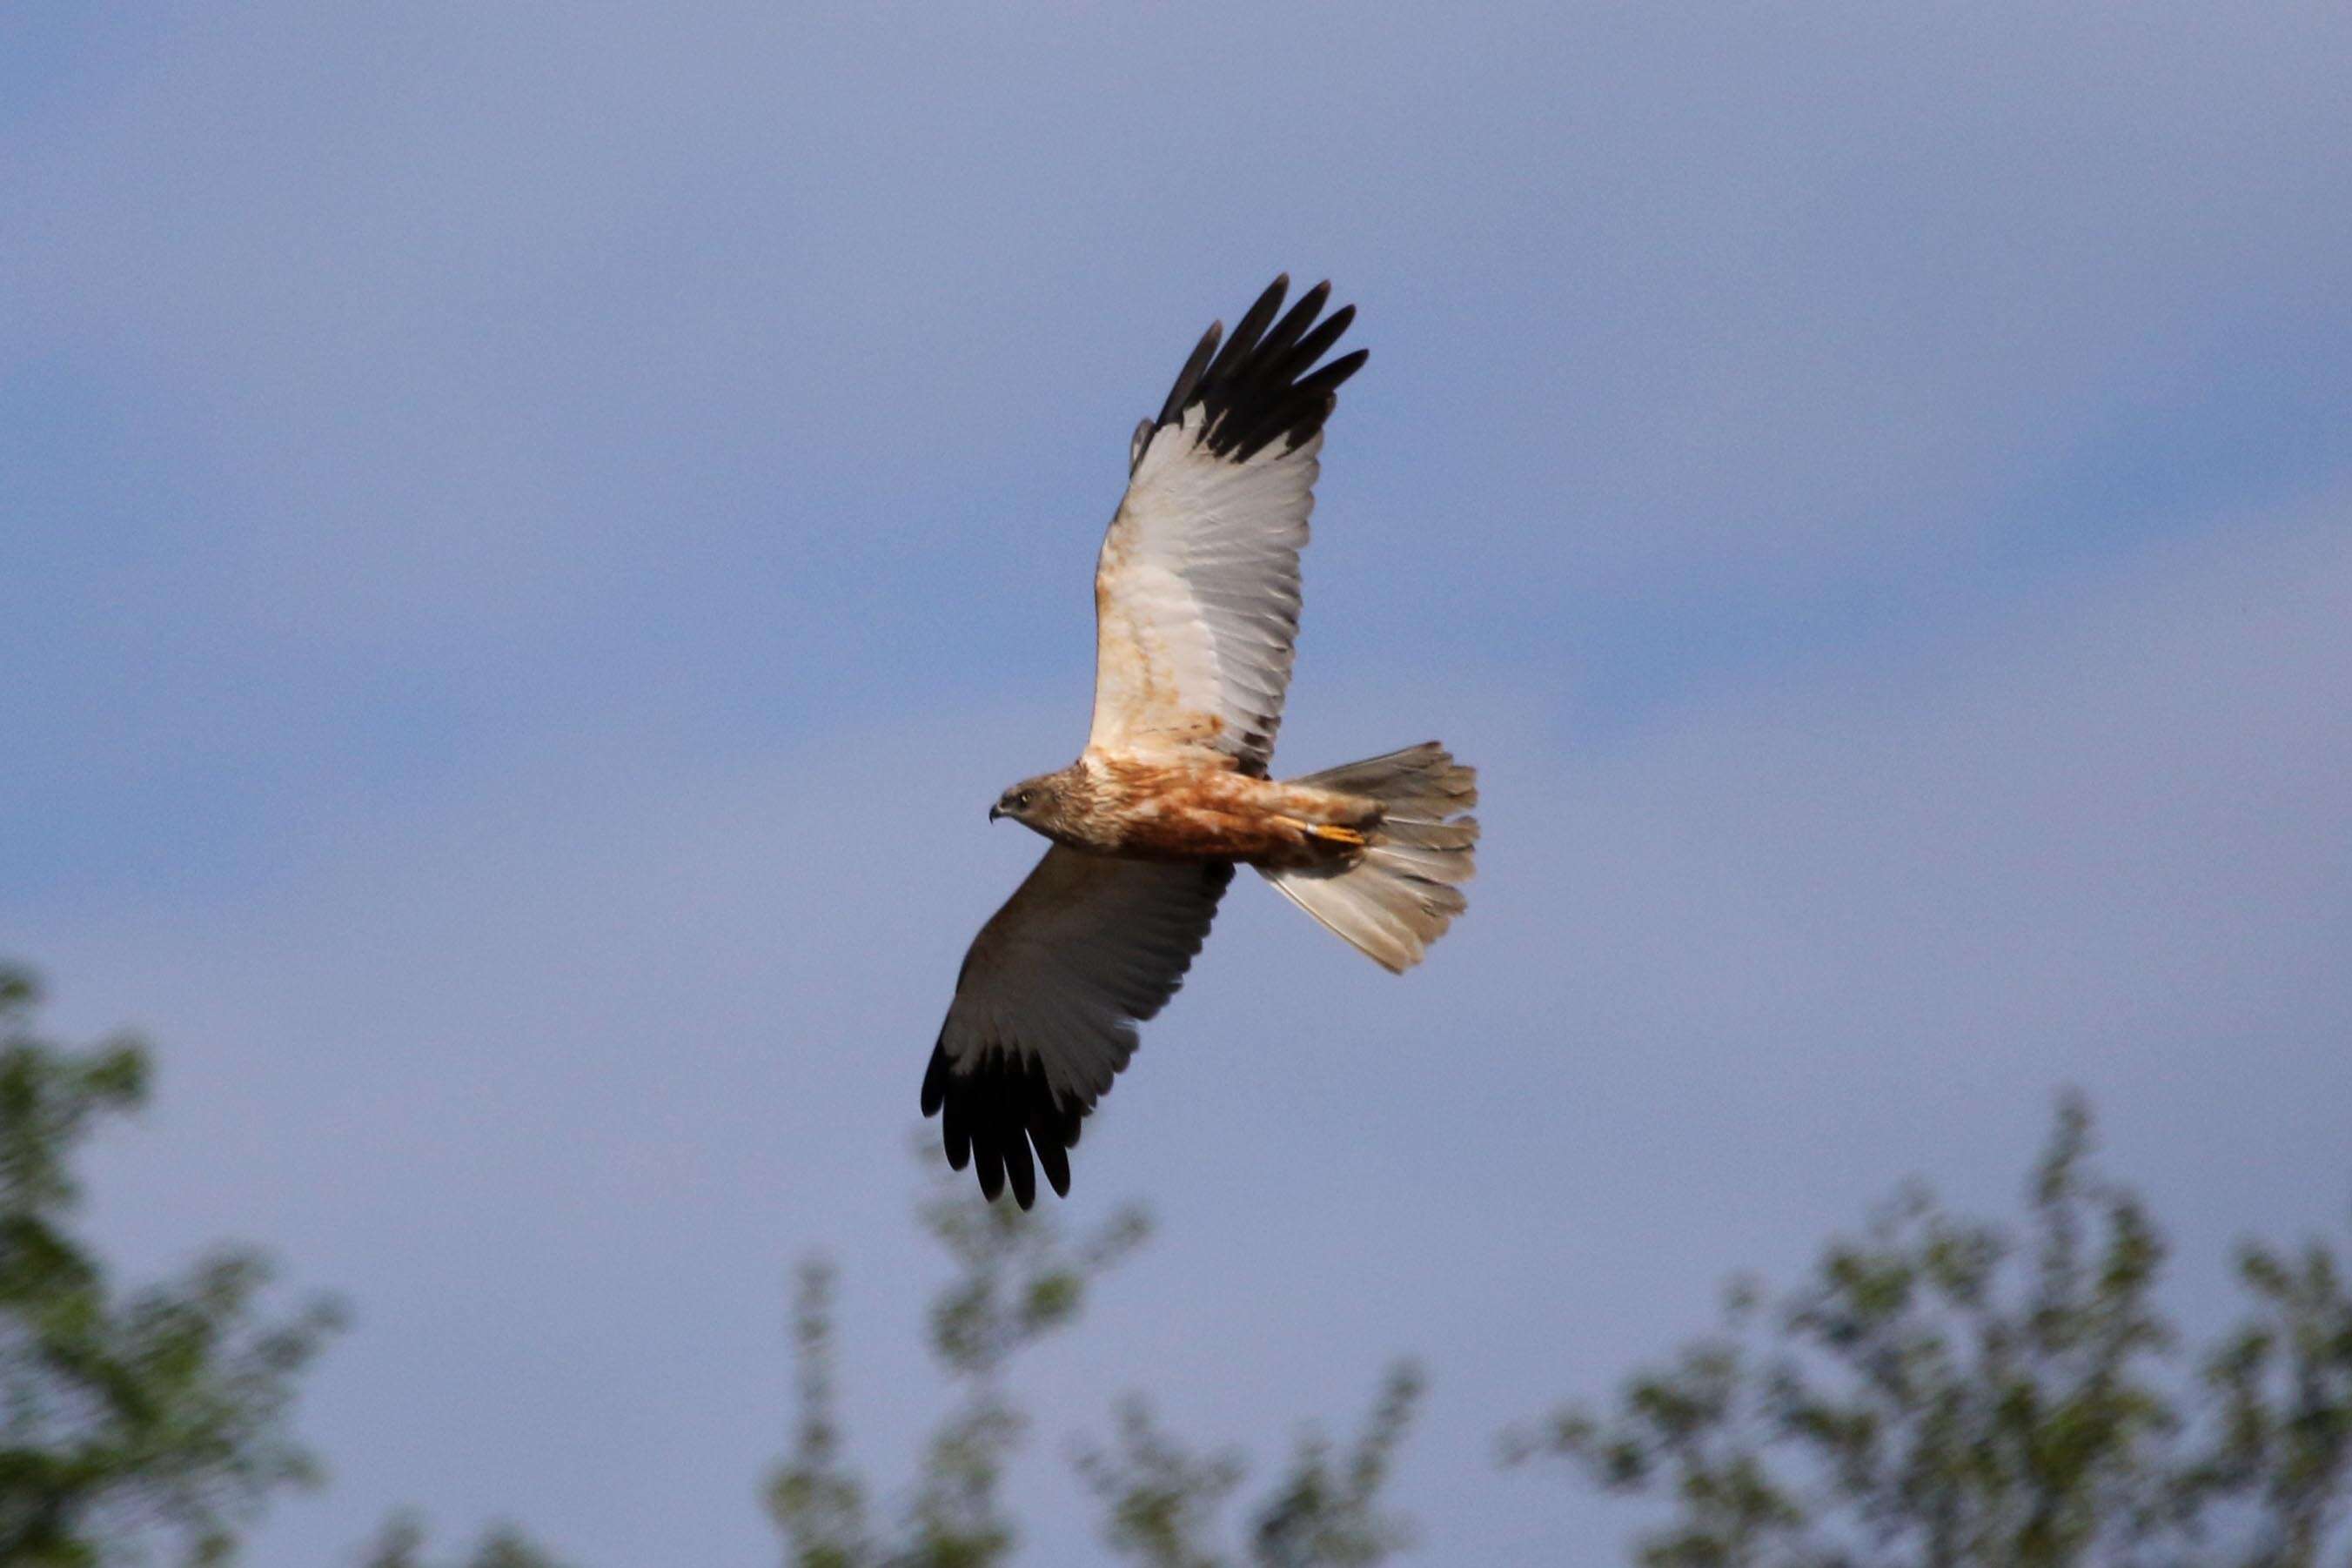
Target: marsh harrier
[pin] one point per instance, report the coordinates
(1196, 611)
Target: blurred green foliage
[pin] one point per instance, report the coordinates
(401, 1544)
(130, 1423)
(1944, 1392)
(1161, 1501)
(1018, 1278)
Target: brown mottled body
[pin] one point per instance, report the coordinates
(1140, 810)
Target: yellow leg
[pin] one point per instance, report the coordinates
(1336, 834)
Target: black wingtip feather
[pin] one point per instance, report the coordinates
(935, 1082)
(991, 1162)
(1249, 329)
(1023, 1173)
(1288, 330)
(1254, 386)
(1190, 376)
(1310, 348)
(1054, 1161)
(1004, 1119)
(1329, 379)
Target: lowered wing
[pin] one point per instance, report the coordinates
(1046, 1005)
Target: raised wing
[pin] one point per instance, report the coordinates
(1196, 592)
(1046, 1005)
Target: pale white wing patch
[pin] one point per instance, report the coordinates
(1196, 598)
(1196, 590)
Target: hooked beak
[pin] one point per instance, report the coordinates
(993, 813)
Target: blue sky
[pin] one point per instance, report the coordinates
(533, 532)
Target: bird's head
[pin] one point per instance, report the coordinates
(1033, 803)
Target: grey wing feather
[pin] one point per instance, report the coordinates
(1046, 1005)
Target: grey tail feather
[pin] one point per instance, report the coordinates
(1400, 892)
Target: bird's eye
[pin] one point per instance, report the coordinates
(1021, 799)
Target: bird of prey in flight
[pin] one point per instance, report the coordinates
(1196, 613)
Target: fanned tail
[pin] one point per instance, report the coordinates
(1398, 895)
